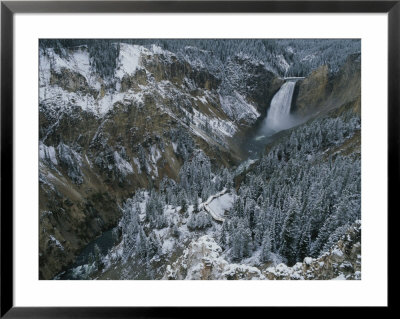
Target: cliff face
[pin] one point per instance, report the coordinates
(253, 81)
(101, 139)
(321, 90)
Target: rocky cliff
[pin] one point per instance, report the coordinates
(323, 90)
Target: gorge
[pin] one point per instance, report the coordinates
(156, 152)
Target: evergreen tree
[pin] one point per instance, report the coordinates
(223, 238)
(304, 244)
(289, 237)
(266, 247)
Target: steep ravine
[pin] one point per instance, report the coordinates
(100, 141)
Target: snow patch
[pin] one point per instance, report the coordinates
(122, 165)
(136, 161)
(47, 153)
(155, 154)
(221, 204)
(238, 109)
(129, 60)
(56, 242)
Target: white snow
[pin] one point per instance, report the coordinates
(136, 161)
(217, 125)
(223, 127)
(168, 245)
(340, 277)
(122, 165)
(221, 204)
(47, 153)
(202, 99)
(78, 61)
(56, 242)
(174, 146)
(308, 57)
(129, 60)
(57, 97)
(337, 252)
(154, 170)
(244, 165)
(237, 108)
(157, 49)
(88, 161)
(155, 154)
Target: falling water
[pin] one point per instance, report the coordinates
(278, 117)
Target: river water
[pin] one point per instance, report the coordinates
(105, 242)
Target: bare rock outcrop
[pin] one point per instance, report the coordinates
(202, 261)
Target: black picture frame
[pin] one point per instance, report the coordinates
(9, 8)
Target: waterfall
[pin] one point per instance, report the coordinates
(278, 117)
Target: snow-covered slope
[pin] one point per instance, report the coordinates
(71, 81)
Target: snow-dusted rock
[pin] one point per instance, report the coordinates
(202, 261)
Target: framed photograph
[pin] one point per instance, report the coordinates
(159, 155)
